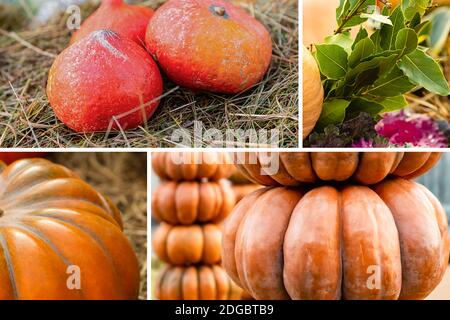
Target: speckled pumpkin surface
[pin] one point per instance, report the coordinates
(104, 81)
(209, 45)
(185, 245)
(311, 167)
(127, 20)
(355, 242)
(196, 283)
(51, 220)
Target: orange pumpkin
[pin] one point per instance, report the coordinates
(352, 242)
(313, 93)
(189, 166)
(241, 190)
(51, 224)
(192, 202)
(128, 20)
(104, 81)
(365, 168)
(209, 45)
(196, 283)
(180, 245)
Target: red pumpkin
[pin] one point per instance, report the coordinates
(51, 225)
(209, 45)
(196, 283)
(104, 81)
(367, 168)
(353, 242)
(181, 245)
(127, 20)
(10, 157)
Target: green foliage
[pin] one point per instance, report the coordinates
(371, 73)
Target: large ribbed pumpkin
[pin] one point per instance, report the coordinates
(353, 242)
(363, 167)
(181, 245)
(192, 202)
(189, 166)
(52, 222)
(312, 93)
(196, 283)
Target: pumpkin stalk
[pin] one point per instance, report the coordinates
(2, 213)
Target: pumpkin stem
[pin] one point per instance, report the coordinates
(219, 11)
(2, 213)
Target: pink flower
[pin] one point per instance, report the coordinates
(416, 130)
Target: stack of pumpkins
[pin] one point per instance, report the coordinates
(338, 226)
(191, 203)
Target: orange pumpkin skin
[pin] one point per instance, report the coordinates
(209, 45)
(181, 245)
(365, 168)
(127, 20)
(313, 93)
(51, 220)
(10, 157)
(187, 203)
(242, 190)
(196, 283)
(190, 166)
(326, 243)
(100, 82)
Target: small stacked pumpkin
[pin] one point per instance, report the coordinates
(191, 203)
(337, 226)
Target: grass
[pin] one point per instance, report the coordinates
(27, 120)
(122, 177)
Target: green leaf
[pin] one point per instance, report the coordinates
(393, 103)
(362, 34)
(360, 104)
(333, 112)
(365, 78)
(362, 50)
(440, 20)
(341, 39)
(389, 33)
(385, 64)
(406, 41)
(332, 60)
(395, 83)
(423, 30)
(422, 70)
(375, 107)
(412, 7)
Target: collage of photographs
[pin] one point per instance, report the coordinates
(182, 150)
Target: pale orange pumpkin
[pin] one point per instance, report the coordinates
(351, 242)
(189, 166)
(196, 283)
(192, 202)
(181, 245)
(313, 93)
(51, 225)
(365, 167)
